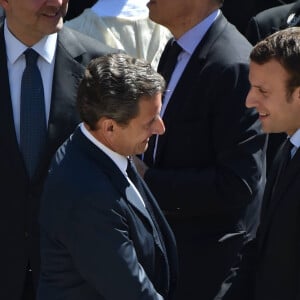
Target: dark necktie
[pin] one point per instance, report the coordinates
(32, 118)
(134, 177)
(167, 69)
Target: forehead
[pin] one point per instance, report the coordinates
(270, 71)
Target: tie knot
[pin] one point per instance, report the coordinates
(31, 56)
(288, 146)
(129, 165)
(167, 67)
(175, 49)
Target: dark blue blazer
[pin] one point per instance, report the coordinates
(97, 238)
(271, 20)
(209, 173)
(19, 207)
(271, 262)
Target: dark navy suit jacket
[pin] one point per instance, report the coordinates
(98, 240)
(271, 262)
(208, 174)
(19, 208)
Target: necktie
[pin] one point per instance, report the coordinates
(167, 69)
(134, 177)
(32, 119)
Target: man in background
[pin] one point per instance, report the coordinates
(124, 25)
(207, 170)
(41, 64)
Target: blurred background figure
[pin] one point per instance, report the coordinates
(76, 7)
(273, 19)
(240, 12)
(124, 24)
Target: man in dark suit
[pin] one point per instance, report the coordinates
(271, 20)
(103, 235)
(259, 27)
(208, 170)
(62, 59)
(270, 265)
(240, 12)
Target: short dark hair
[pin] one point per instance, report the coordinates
(283, 46)
(112, 87)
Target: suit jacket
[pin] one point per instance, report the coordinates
(98, 240)
(208, 174)
(271, 20)
(270, 264)
(19, 207)
(240, 12)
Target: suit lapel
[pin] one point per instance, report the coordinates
(270, 183)
(63, 117)
(119, 181)
(291, 173)
(188, 80)
(113, 172)
(67, 75)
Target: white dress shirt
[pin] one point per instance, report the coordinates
(16, 64)
(295, 140)
(188, 42)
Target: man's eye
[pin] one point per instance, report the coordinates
(264, 92)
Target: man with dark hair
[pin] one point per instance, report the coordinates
(41, 64)
(103, 235)
(259, 27)
(207, 170)
(269, 268)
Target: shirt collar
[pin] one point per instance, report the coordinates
(119, 160)
(295, 139)
(45, 47)
(190, 40)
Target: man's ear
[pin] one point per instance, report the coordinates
(297, 94)
(108, 126)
